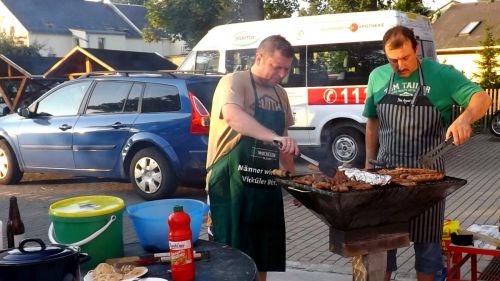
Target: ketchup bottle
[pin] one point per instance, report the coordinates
(181, 245)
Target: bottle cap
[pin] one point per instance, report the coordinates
(178, 208)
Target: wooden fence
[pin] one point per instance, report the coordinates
(483, 123)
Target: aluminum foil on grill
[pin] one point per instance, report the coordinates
(364, 176)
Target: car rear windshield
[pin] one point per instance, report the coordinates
(204, 91)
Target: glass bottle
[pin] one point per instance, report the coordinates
(15, 226)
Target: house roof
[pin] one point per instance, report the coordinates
(29, 66)
(448, 26)
(135, 13)
(76, 61)
(57, 16)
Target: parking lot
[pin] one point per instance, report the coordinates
(307, 237)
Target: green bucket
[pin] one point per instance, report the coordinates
(94, 223)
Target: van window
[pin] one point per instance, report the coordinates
(239, 60)
(343, 64)
(427, 49)
(207, 61)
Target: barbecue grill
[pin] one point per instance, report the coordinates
(365, 215)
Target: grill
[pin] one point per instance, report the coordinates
(370, 214)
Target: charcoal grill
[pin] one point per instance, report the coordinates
(381, 205)
(364, 224)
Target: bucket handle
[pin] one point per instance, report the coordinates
(84, 241)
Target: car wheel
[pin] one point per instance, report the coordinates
(495, 124)
(9, 167)
(151, 175)
(346, 145)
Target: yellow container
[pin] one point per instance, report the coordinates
(449, 227)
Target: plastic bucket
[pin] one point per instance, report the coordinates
(150, 221)
(94, 223)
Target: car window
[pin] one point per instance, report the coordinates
(204, 91)
(132, 103)
(64, 101)
(108, 97)
(160, 98)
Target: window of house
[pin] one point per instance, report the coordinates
(468, 28)
(100, 42)
(76, 41)
(160, 98)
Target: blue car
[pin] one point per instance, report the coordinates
(151, 128)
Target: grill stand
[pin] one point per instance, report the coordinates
(368, 248)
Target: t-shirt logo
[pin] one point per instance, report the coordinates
(406, 89)
(270, 103)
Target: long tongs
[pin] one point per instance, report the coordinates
(326, 167)
(430, 157)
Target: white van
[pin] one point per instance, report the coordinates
(327, 82)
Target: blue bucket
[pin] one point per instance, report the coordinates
(150, 221)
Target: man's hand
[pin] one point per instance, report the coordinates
(287, 145)
(460, 130)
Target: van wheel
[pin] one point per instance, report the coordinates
(346, 145)
(9, 167)
(151, 175)
(495, 124)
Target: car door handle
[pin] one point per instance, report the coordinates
(65, 127)
(118, 125)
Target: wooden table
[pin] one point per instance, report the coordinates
(458, 255)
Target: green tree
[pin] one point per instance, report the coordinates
(274, 9)
(488, 63)
(318, 7)
(10, 45)
(190, 20)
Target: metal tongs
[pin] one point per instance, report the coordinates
(430, 157)
(326, 167)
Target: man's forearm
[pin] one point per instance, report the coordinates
(477, 107)
(371, 140)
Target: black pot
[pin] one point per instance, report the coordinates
(41, 263)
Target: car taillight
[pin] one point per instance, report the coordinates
(200, 117)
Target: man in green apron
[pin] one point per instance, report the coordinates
(408, 108)
(250, 116)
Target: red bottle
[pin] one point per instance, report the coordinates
(181, 245)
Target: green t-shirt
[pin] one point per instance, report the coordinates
(445, 86)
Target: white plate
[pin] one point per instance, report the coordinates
(88, 276)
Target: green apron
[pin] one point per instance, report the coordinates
(246, 204)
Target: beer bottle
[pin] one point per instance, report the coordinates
(15, 226)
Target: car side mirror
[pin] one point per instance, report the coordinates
(24, 112)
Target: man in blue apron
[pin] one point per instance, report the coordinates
(409, 108)
(250, 111)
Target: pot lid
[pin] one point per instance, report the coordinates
(86, 206)
(34, 254)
